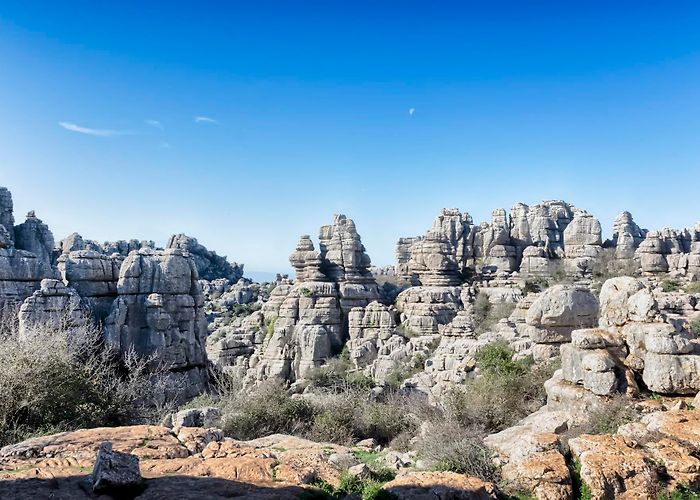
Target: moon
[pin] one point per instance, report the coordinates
(411, 111)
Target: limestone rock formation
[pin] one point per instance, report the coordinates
(555, 314)
(306, 261)
(7, 218)
(210, 266)
(403, 257)
(433, 260)
(94, 276)
(52, 305)
(159, 312)
(627, 236)
(345, 262)
(21, 270)
(34, 236)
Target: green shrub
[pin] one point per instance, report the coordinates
(497, 357)
(305, 292)
(580, 488)
(506, 391)
(670, 285)
(693, 288)
(338, 375)
(270, 325)
(695, 326)
(681, 492)
(486, 314)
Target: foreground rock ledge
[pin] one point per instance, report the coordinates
(189, 462)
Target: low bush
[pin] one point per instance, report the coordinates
(338, 375)
(451, 447)
(329, 414)
(505, 392)
(670, 285)
(695, 326)
(486, 314)
(535, 284)
(693, 288)
(268, 410)
(61, 378)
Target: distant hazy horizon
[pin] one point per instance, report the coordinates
(248, 124)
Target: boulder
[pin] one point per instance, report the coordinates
(114, 472)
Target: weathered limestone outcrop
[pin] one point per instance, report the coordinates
(74, 242)
(671, 250)
(210, 266)
(345, 262)
(159, 312)
(403, 257)
(94, 276)
(34, 236)
(308, 322)
(21, 270)
(306, 261)
(555, 314)
(53, 305)
(426, 310)
(627, 236)
(307, 330)
(433, 261)
(7, 218)
(582, 242)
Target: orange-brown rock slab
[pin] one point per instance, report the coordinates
(612, 469)
(681, 466)
(545, 474)
(681, 425)
(440, 485)
(144, 441)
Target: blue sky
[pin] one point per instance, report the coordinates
(597, 103)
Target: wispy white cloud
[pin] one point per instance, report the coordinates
(154, 124)
(164, 145)
(411, 111)
(99, 132)
(204, 119)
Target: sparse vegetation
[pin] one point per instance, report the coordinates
(695, 326)
(62, 378)
(670, 285)
(270, 325)
(535, 284)
(693, 288)
(486, 314)
(341, 413)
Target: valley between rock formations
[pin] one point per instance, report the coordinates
(523, 357)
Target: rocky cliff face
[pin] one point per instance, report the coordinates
(25, 252)
(210, 266)
(159, 313)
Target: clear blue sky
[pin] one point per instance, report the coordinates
(304, 111)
